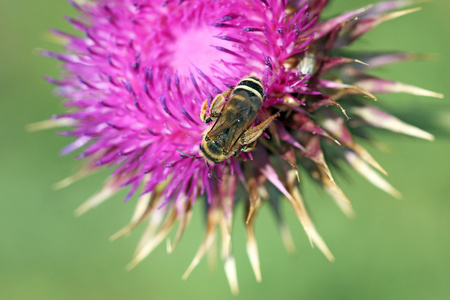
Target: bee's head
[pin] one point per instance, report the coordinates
(212, 150)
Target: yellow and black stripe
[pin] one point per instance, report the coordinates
(252, 85)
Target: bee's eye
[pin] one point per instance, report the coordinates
(206, 138)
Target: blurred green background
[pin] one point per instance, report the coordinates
(392, 249)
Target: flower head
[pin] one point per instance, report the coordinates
(136, 80)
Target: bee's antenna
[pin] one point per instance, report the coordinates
(188, 155)
(212, 172)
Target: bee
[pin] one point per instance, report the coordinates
(233, 113)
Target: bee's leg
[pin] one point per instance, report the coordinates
(253, 133)
(216, 107)
(249, 147)
(203, 111)
(217, 104)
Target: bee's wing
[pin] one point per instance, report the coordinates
(220, 126)
(233, 136)
(233, 131)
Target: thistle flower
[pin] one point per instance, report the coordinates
(135, 81)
